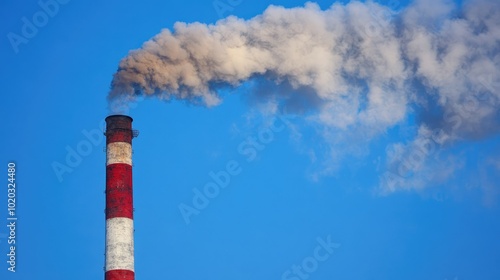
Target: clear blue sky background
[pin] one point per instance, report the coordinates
(265, 221)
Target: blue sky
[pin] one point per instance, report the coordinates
(301, 189)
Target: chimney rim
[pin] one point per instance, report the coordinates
(118, 116)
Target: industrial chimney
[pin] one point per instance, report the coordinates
(119, 203)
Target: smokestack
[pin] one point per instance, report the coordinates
(119, 202)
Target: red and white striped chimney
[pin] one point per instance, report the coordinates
(119, 202)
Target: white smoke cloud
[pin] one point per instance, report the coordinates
(355, 70)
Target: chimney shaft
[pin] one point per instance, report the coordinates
(119, 202)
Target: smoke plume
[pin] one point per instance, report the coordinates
(359, 68)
